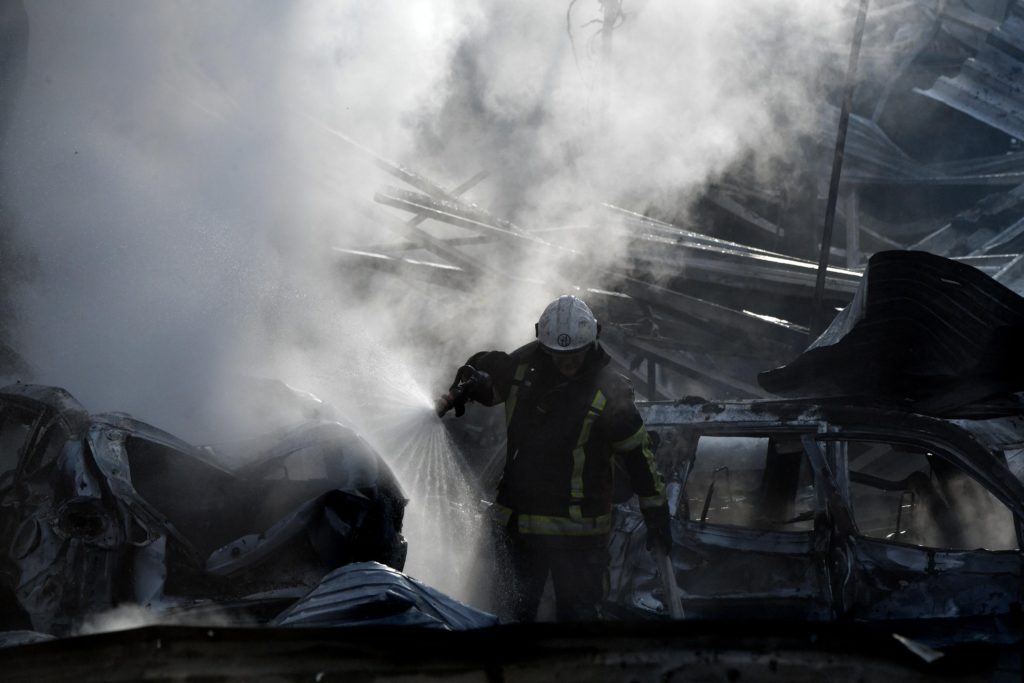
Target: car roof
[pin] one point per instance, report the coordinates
(865, 421)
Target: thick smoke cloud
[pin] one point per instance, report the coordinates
(682, 91)
(176, 171)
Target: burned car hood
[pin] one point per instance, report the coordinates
(102, 510)
(921, 328)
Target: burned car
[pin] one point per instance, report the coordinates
(889, 493)
(818, 511)
(102, 510)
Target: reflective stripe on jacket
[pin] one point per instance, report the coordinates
(562, 436)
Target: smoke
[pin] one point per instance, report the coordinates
(681, 91)
(176, 171)
(126, 617)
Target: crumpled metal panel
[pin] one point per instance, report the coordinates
(986, 235)
(64, 531)
(872, 158)
(254, 548)
(54, 398)
(369, 593)
(925, 328)
(15, 638)
(360, 467)
(895, 582)
(340, 526)
(107, 447)
(633, 581)
(997, 431)
(988, 87)
(81, 531)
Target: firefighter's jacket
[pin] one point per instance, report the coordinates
(563, 433)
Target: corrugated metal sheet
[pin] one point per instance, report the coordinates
(872, 158)
(922, 327)
(990, 87)
(370, 593)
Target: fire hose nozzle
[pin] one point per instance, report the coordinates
(470, 383)
(443, 405)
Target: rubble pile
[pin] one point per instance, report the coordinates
(703, 301)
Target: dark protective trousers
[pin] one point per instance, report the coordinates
(577, 565)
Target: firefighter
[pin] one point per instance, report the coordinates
(567, 415)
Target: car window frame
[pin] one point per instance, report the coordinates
(936, 449)
(727, 430)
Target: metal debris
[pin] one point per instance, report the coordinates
(136, 515)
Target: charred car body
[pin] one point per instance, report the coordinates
(833, 512)
(101, 510)
(892, 496)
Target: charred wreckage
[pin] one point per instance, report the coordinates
(857, 512)
(95, 514)
(851, 508)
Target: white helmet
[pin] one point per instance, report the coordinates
(566, 325)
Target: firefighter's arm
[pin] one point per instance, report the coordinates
(631, 444)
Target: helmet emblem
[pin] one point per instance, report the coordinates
(567, 324)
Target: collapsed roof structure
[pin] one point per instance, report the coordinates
(703, 302)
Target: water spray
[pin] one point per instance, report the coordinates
(443, 520)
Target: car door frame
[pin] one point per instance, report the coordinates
(879, 580)
(740, 547)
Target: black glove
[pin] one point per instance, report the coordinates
(469, 384)
(659, 529)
